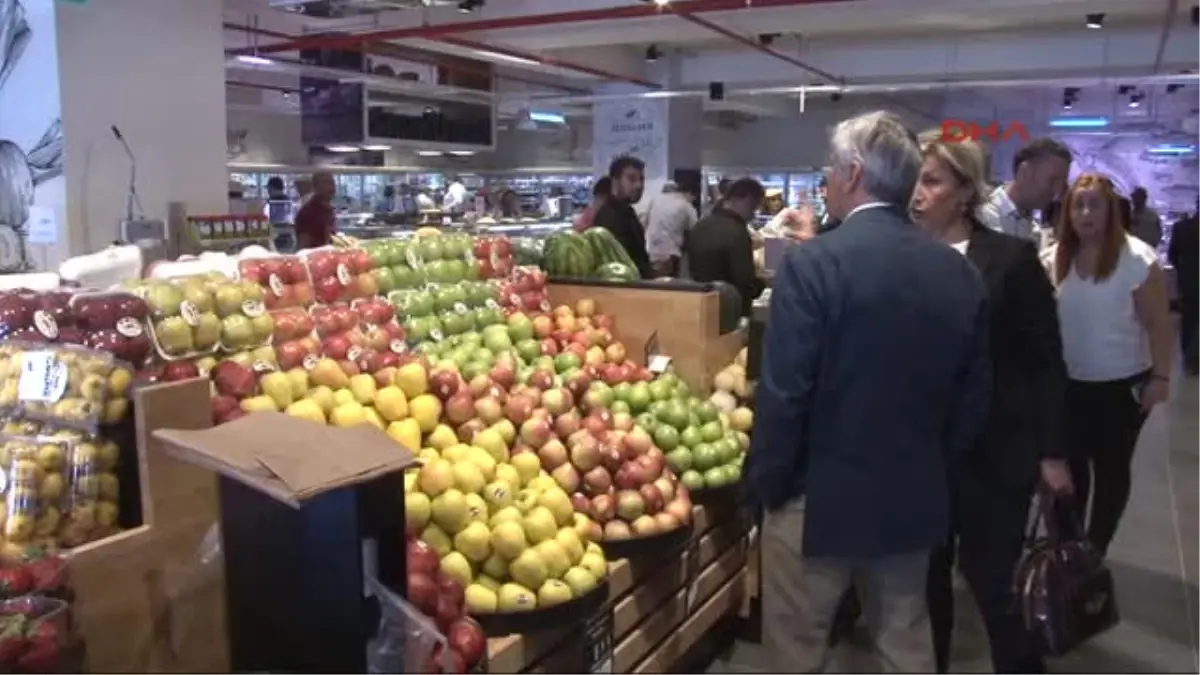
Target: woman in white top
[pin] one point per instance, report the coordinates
(1117, 344)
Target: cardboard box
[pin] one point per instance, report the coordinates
(290, 459)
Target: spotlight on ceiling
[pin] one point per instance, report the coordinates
(1174, 87)
(1070, 96)
(662, 3)
(1095, 20)
(1135, 100)
(653, 53)
(468, 6)
(765, 39)
(835, 96)
(1124, 89)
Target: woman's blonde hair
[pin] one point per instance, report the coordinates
(966, 159)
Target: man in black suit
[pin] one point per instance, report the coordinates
(874, 385)
(719, 247)
(616, 214)
(1184, 254)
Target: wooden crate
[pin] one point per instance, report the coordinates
(686, 325)
(144, 604)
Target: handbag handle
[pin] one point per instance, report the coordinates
(1060, 518)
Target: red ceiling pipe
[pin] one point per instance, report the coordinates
(637, 11)
(385, 49)
(548, 61)
(758, 46)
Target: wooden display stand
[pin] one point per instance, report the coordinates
(685, 322)
(144, 603)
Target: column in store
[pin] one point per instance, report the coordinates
(154, 72)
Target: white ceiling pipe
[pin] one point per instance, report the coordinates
(880, 88)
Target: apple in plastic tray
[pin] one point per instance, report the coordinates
(284, 280)
(294, 338)
(341, 275)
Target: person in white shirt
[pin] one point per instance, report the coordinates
(1117, 344)
(1040, 172)
(1145, 223)
(669, 220)
(456, 195)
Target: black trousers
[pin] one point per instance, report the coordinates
(1189, 330)
(1104, 420)
(989, 537)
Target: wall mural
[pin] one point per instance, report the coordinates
(23, 169)
(1172, 181)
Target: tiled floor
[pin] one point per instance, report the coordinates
(1154, 561)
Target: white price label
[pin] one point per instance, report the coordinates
(253, 308)
(659, 364)
(343, 274)
(189, 313)
(436, 334)
(310, 361)
(461, 307)
(545, 306)
(492, 304)
(514, 300)
(129, 327)
(263, 367)
(43, 378)
(45, 324)
(413, 258)
(276, 285)
(398, 346)
(354, 352)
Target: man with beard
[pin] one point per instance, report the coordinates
(628, 176)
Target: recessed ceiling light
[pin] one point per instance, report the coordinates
(342, 148)
(652, 53)
(376, 148)
(1095, 20)
(468, 6)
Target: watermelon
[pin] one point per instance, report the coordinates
(605, 247)
(528, 250)
(568, 254)
(615, 271)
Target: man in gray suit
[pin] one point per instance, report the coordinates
(874, 385)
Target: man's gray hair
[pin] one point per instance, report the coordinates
(885, 149)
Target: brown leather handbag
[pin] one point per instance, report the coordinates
(1063, 589)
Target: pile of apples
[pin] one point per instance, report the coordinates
(109, 321)
(494, 256)
(340, 275)
(525, 291)
(441, 598)
(363, 337)
(284, 280)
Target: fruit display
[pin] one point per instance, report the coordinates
(704, 445)
(494, 255)
(395, 268)
(729, 385)
(525, 291)
(587, 255)
(340, 275)
(60, 384)
(442, 310)
(294, 341)
(200, 315)
(364, 336)
(284, 280)
(60, 488)
(35, 632)
(441, 597)
(444, 259)
(110, 321)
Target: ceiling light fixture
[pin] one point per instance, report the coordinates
(255, 60)
(1174, 87)
(468, 6)
(765, 39)
(1135, 100)
(429, 153)
(510, 58)
(653, 53)
(462, 153)
(1070, 96)
(342, 148)
(376, 148)
(662, 3)
(1095, 21)
(1079, 122)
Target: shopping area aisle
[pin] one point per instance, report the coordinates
(1154, 561)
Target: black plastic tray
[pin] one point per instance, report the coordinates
(654, 546)
(571, 613)
(726, 494)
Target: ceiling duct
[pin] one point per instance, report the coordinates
(341, 9)
(732, 120)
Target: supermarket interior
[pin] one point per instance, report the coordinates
(322, 350)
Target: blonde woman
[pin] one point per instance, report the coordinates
(1021, 445)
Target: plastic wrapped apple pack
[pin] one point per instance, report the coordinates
(525, 291)
(283, 278)
(38, 316)
(406, 640)
(393, 269)
(33, 481)
(113, 321)
(57, 384)
(294, 339)
(380, 337)
(340, 275)
(199, 315)
(91, 509)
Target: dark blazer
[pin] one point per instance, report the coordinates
(719, 249)
(874, 386)
(617, 216)
(1184, 254)
(1029, 377)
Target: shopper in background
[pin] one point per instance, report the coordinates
(828, 223)
(425, 202)
(616, 214)
(995, 483)
(1184, 254)
(1117, 342)
(1040, 172)
(275, 189)
(671, 218)
(1144, 222)
(315, 221)
(874, 384)
(510, 204)
(455, 199)
(601, 190)
(719, 248)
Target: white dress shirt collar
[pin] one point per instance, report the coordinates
(864, 207)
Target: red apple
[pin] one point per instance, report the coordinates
(558, 400)
(565, 475)
(604, 507)
(543, 326)
(553, 454)
(581, 503)
(652, 496)
(466, 638)
(585, 454)
(680, 508)
(666, 488)
(616, 530)
(422, 559)
(541, 379)
(597, 481)
(479, 384)
(615, 353)
(518, 409)
(503, 375)
(637, 441)
(566, 424)
(630, 505)
(444, 383)
(489, 409)
(174, 371)
(467, 430)
(459, 408)
(336, 347)
(422, 592)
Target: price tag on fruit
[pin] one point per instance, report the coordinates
(263, 367)
(253, 308)
(436, 334)
(189, 313)
(343, 274)
(310, 361)
(43, 378)
(598, 641)
(461, 308)
(492, 304)
(398, 346)
(413, 258)
(276, 285)
(544, 306)
(45, 324)
(658, 364)
(129, 327)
